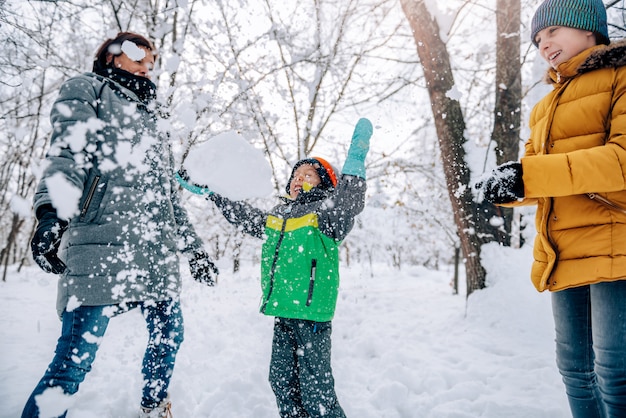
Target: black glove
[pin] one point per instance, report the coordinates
(202, 268)
(46, 241)
(505, 185)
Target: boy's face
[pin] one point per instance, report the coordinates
(306, 173)
(558, 44)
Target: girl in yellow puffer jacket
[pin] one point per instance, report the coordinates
(574, 169)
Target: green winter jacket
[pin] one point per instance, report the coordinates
(300, 254)
(123, 241)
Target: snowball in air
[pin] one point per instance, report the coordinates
(132, 51)
(230, 166)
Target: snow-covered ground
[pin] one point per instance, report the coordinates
(403, 346)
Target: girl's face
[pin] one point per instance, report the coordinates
(306, 173)
(140, 67)
(558, 44)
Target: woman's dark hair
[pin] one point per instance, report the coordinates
(100, 60)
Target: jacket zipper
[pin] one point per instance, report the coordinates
(606, 202)
(311, 282)
(546, 150)
(552, 244)
(92, 191)
(274, 262)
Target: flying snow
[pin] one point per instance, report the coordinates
(230, 166)
(64, 195)
(53, 402)
(132, 51)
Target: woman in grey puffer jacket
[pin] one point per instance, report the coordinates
(123, 229)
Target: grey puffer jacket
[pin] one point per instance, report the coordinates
(123, 241)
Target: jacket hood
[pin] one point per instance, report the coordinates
(324, 169)
(613, 55)
(600, 56)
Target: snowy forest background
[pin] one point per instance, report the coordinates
(293, 78)
(448, 86)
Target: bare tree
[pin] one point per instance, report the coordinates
(450, 125)
(291, 77)
(302, 71)
(472, 218)
(508, 105)
(28, 70)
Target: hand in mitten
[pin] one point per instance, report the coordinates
(505, 185)
(183, 179)
(360, 145)
(202, 268)
(47, 239)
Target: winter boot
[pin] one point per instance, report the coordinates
(163, 410)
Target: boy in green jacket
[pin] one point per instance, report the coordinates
(300, 271)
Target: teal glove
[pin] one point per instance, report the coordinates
(355, 161)
(183, 179)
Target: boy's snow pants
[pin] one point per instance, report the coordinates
(300, 370)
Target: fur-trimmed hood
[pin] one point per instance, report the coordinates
(601, 56)
(613, 55)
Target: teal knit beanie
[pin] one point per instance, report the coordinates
(587, 15)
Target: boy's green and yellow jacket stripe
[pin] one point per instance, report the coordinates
(300, 254)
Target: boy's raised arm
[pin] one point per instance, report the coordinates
(349, 197)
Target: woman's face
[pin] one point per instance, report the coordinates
(558, 44)
(140, 67)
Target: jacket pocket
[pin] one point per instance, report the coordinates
(309, 298)
(92, 197)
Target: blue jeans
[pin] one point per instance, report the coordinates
(81, 334)
(590, 326)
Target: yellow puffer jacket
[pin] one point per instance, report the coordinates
(578, 147)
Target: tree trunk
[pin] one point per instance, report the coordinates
(5, 254)
(450, 126)
(507, 111)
